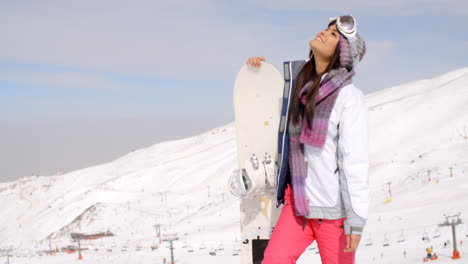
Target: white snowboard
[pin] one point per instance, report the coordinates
(257, 106)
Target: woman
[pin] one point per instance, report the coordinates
(323, 166)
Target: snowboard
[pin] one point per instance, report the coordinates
(426, 259)
(257, 109)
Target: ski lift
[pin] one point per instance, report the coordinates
(401, 238)
(212, 252)
(138, 248)
(385, 242)
(236, 250)
(425, 237)
(190, 249)
(436, 233)
(109, 248)
(185, 245)
(369, 241)
(220, 246)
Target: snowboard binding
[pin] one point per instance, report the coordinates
(255, 178)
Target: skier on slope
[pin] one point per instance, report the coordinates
(429, 252)
(323, 171)
(431, 255)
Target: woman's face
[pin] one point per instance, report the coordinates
(324, 44)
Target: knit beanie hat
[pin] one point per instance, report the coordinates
(346, 60)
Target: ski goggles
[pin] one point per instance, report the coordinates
(346, 25)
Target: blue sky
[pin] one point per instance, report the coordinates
(174, 62)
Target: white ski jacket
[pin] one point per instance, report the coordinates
(337, 183)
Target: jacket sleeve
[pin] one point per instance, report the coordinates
(353, 153)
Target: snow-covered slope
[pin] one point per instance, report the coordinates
(419, 144)
(164, 184)
(417, 133)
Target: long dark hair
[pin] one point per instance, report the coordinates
(306, 74)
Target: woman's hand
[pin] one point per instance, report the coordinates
(255, 61)
(352, 242)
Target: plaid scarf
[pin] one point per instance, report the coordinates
(300, 134)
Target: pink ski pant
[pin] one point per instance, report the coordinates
(289, 240)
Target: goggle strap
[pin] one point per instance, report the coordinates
(353, 50)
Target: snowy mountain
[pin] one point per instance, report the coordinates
(418, 152)
(163, 184)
